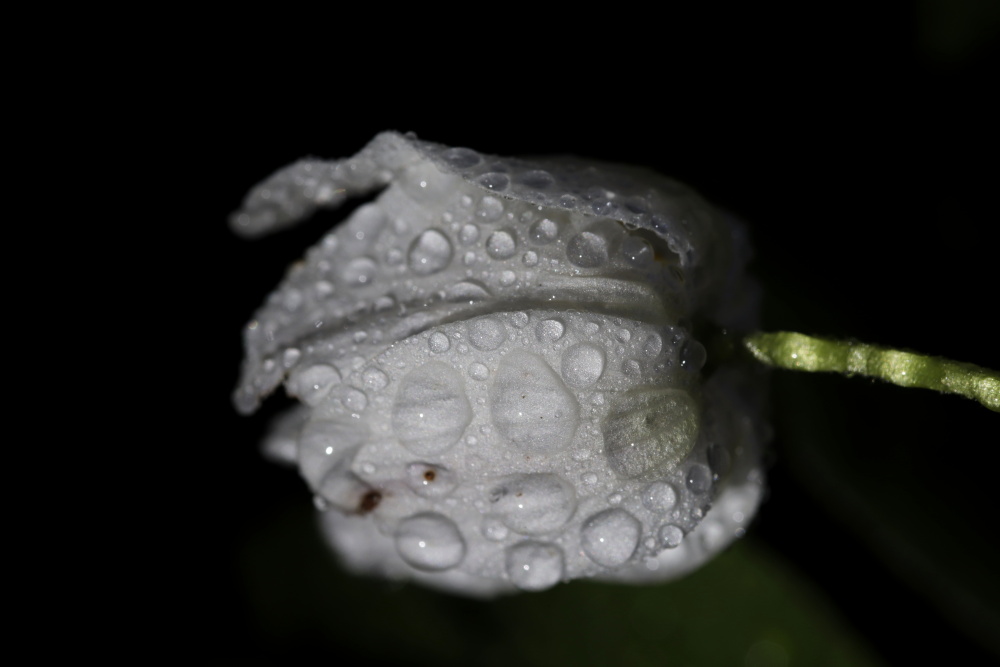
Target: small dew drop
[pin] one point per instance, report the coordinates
(359, 271)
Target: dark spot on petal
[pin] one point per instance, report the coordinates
(369, 501)
(429, 475)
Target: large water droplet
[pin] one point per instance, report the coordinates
(353, 399)
(549, 331)
(544, 231)
(530, 405)
(699, 479)
(671, 536)
(429, 480)
(494, 181)
(582, 365)
(323, 443)
(610, 537)
(429, 253)
(478, 371)
(533, 504)
(430, 541)
(587, 250)
(659, 497)
(534, 566)
(487, 333)
(466, 291)
(489, 209)
(461, 158)
(693, 355)
(359, 271)
(375, 378)
(468, 235)
(539, 179)
(501, 245)
(438, 342)
(431, 410)
(650, 430)
(342, 489)
(313, 384)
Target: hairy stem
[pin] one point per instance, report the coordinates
(795, 351)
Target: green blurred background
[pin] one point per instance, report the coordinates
(860, 145)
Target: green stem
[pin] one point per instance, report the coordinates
(795, 351)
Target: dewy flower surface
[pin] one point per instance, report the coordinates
(499, 380)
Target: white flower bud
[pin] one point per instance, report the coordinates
(500, 382)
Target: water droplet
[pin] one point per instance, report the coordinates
(533, 504)
(508, 278)
(431, 410)
(544, 231)
(587, 250)
(461, 158)
(323, 289)
(637, 251)
(539, 179)
(494, 181)
(534, 566)
(486, 333)
(659, 497)
(549, 331)
(519, 319)
(671, 536)
(429, 253)
(530, 405)
(501, 244)
(494, 529)
(430, 541)
(468, 235)
(589, 478)
(582, 365)
(530, 258)
(375, 378)
(631, 368)
(478, 371)
(469, 258)
(466, 291)
(353, 399)
(359, 271)
(652, 345)
(429, 480)
(649, 430)
(292, 299)
(313, 384)
(438, 342)
(489, 209)
(693, 355)
(624, 335)
(290, 356)
(609, 538)
(699, 479)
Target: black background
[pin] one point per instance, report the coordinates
(860, 147)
